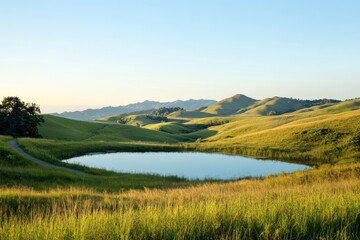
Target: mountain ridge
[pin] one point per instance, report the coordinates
(239, 104)
(97, 113)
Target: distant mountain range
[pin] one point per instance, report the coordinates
(93, 114)
(237, 104)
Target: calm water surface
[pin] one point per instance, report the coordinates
(187, 164)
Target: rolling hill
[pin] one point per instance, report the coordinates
(329, 131)
(281, 105)
(235, 105)
(239, 104)
(67, 129)
(230, 105)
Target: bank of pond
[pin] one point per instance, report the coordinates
(190, 165)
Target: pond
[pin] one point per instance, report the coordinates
(191, 165)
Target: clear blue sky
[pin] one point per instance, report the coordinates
(65, 55)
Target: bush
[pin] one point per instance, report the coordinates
(355, 141)
(19, 119)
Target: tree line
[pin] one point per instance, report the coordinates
(161, 114)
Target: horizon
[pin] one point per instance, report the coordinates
(68, 56)
(83, 108)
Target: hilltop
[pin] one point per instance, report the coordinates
(75, 130)
(230, 105)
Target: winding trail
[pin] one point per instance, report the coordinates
(42, 163)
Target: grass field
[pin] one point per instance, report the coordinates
(318, 204)
(66, 129)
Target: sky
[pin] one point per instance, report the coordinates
(71, 55)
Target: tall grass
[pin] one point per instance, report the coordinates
(318, 204)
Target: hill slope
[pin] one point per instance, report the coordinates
(281, 105)
(230, 105)
(239, 104)
(323, 132)
(66, 129)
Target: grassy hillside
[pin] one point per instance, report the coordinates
(230, 105)
(275, 106)
(66, 129)
(9, 158)
(345, 106)
(320, 133)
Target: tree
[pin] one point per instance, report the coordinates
(19, 119)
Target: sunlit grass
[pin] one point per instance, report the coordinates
(72, 130)
(320, 204)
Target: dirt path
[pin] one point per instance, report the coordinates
(16, 147)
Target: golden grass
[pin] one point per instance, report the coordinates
(318, 204)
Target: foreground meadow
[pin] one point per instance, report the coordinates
(317, 204)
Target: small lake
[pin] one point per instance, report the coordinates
(191, 165)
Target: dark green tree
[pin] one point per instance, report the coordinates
(19, 119)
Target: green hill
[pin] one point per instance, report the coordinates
(321, 132)
(230, 105)
(274, 106)
(239, 104)
(334, 107)
(67, 129)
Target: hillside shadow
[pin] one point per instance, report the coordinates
(201, 134)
